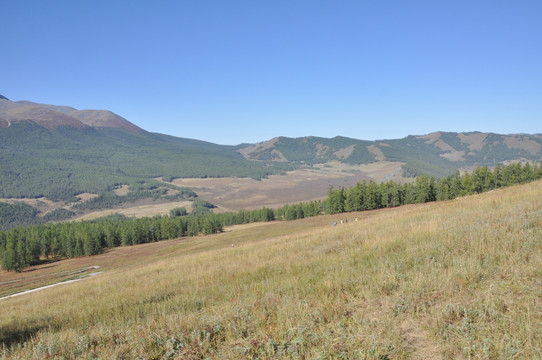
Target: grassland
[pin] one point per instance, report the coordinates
(227, 193)
(308, 183)
(449, 280)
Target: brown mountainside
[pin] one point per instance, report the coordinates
(51, 116)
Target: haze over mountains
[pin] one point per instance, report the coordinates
(59, 152)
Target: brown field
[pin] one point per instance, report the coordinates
(146, 210)
(231, 194)
(122, 190)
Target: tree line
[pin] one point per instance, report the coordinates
(370, 195)
(24, 246)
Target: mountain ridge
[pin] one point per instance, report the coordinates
(51, 116)
(59, 152)
(447, 150)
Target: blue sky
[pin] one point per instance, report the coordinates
(246, 71)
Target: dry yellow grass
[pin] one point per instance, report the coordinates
(309, 183)
(452, 280)
(138, 211)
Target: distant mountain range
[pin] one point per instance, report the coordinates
(59, 151)
(439, 153)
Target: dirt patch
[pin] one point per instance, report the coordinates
(345, 152)
(171, 191)
(430, 138)
(443, 145)
(321, 150)
(419, 344)
(87, 196)
(122, 190)
(520, 142)
(373, 149)
(454, 156)
(251, 152)
(474, 141)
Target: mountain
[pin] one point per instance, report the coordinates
(51, 116)
(59, 152)
(439, 153)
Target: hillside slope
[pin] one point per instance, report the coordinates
(456, 279)
(64, 161)
(437, 154)
(52, 116)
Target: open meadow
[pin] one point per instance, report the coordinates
(455, 279)
(309, 183)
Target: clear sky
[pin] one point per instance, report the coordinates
(230, 71)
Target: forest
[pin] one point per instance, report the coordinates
(25, 246)
(21, 214)
(62, 162)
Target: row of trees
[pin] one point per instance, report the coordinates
(370, 195)
(24, 246)
(21, 247)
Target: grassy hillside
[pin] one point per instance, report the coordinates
(455, 279)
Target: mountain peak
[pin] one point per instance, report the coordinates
(51, 116)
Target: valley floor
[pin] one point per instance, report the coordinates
(302, 185)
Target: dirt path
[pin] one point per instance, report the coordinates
(52, 285)
(419, 344)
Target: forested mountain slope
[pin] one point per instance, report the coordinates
(61, 162)
(437, 154)
(59, 152)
